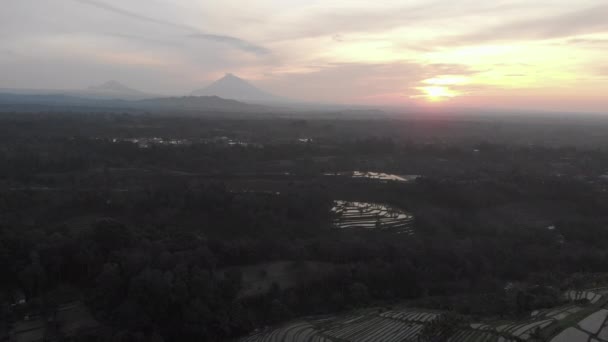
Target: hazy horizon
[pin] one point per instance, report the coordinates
(546, 55)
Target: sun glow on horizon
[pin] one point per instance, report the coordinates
(445, 80)
(437, 93)
(387, 52)
(437, 89)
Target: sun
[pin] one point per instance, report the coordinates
(438, 88)
(437, 93)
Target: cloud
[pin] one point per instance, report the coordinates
(590, 20)
(9, 54)
(241, 44)
(133, 15)
(587, 41)
(340, 18)
(131, 58)
(603, 70)
(337, 38)
(339, 50)
(335, 21)
(194, 33)
(346, 82)
(141, 39)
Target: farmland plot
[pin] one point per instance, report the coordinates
(571, 335)
(389, 326)
(558, 313)
(539, 320)
(296, 332)
(379, 176)
(400, 325)
(593, 327)
(590, 295)
(405, 324)
(385, 176)
(371, 216)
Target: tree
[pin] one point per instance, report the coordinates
(359, 293)
(111, 235)
(33, 277)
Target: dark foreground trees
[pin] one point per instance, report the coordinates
(156, 240)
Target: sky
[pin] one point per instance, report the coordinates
(542, 54)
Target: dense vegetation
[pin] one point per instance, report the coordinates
(152, 234)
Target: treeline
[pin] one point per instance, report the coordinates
(154, 239)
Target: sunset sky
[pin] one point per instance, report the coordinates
(542, 54)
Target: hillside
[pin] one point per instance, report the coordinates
(200, 103)
(234, 87)
(187, 103)
(114, 90)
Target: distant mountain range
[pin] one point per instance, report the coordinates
(228, 94)
(224, 95)
(229, 87)
(115, 90)
(236, 88)
(192, 103)
(111, 90)
(189, 103)
(16, 100)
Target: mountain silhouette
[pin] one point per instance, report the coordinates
(201, 103)
(191, 104)
(236, 88)
(115, 90)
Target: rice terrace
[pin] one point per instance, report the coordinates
(378, 176)
(583, 317)
(371, 216)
